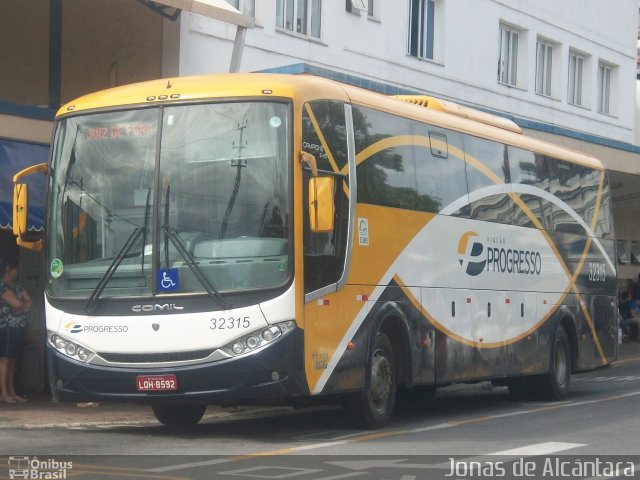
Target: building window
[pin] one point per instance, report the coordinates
(300, 16)
(248, 7)
(544, 65)
(604, 88)
(576, 67)
(508, 58)
(422, 23)
(361, 5)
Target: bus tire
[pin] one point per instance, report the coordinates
(372, 408)
(555, 384)
(178, 415)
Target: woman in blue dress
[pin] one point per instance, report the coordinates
(15, 302)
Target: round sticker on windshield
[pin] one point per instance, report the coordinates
(275, 122)
(56, 268)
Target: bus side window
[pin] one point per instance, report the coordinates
(440, 169)
(497, 208)
(529, 169)
(324, 137)
(565, 185)
(386, 177)
(590, 182)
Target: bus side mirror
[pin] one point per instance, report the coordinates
(321, 205)
(24, 238)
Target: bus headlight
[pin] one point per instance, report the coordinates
(84, 354)
(70, 349)
(58, 342)
(258, 338)
(270, 333)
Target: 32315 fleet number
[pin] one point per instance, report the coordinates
(229, 323)
(597, 272)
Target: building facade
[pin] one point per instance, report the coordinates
(570, 64)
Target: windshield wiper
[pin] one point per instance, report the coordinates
(172, 235)
(111, 270)
(193, 266)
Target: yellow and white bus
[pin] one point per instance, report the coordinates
(254, 237)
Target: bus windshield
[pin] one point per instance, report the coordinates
(170, 200)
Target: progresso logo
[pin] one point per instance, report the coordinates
(79, 328)
(475, 257)
(470, 252)
(73, 327)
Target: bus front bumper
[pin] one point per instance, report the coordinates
(272, 373)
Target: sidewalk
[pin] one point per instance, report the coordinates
(40, 411)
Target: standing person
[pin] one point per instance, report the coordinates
(15, 302)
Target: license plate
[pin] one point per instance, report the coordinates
(156, 383)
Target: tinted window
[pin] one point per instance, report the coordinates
(441, 170)
(564, 182)
(492, 155)
(329, 148)
(386, 173)
(407, 164)
(590, 182)
(603, 225)
(527, 168)
(324, 136)
(485, 205)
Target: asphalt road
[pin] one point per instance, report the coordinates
(465, 432)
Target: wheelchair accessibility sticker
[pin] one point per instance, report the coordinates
(168, 279)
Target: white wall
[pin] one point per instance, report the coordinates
(466, 53)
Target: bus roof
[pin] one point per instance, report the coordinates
(468, 121)
(308, 87)
(228, 85)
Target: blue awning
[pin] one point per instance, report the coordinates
(14, 157)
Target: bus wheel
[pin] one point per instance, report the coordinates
(555, 384)
(178, 414)
(373, 407)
